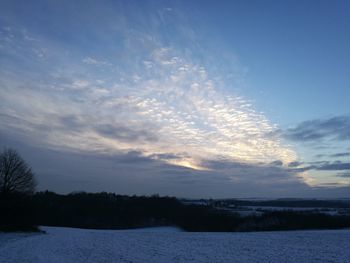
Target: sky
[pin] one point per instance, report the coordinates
(194, 99)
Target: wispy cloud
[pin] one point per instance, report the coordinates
(342, 154)
(345, 174)
(337, 128)
(336, 166)
(329, 137)
(96, 62)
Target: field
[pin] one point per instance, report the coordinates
(172, 245)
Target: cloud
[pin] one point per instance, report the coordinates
(320, 155)
(345, 174)
(337, 128)
(96, 62)
(79, 84)
(179, 108)
(276, 163)
(169, 156)
(132, 172)
(322, 166)
(260, 174)
(334, 155)
(343, 154)
(140, 99)
(328, 185)
(336, 166)
(295, 164)
(124, 133)
(330, 138)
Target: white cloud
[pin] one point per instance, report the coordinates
(187, 109)
(79, 84)
(165, 103)
(93, 61)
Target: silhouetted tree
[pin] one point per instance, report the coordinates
(15, 175)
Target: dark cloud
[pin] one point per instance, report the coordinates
(336, 155)
(10, 123)
(132, 157)
(303, 169)
(223, 164)
(329, 185)
(345, 174)
(315, 130)
(295, 164)
(336, 166)
(264, 174)
(132, 172)
(323, 166)
(72, 122)
(318, 163)
(276, 163)
(319, 155)
(124, 133)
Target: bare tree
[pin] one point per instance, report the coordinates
(15, 175)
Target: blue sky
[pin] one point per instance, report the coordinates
(291, 50)
(185, 98)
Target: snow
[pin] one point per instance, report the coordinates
(155, 245)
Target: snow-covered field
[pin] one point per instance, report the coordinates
(65, 245)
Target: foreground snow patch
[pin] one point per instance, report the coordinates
(171, 245)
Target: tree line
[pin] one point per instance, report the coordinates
(23, 209)
(112, 211)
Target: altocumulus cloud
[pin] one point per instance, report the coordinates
(157, 109)
(173, 108)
